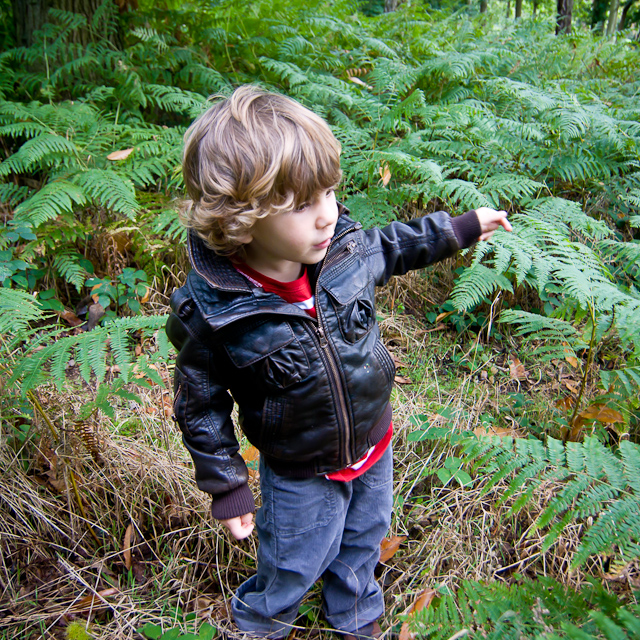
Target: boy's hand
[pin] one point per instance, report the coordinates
(240, 527)
(490, 220)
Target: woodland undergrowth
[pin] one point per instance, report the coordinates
(517, 460)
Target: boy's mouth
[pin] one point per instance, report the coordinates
(322, 245)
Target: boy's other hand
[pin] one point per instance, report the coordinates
(490, 220)
(240, 527)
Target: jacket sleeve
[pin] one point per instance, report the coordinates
(403, 246)
(202, 407)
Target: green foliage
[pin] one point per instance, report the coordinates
(155, 632)
(588, 481)
(38, 356)
(129, 286)
(528, 611)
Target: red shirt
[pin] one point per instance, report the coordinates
(299, 293)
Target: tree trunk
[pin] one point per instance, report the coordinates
(484, 4)
(390, 5)
(508, 9)
(625, 11)
(518, 9)
(30, 15)
(613, 17)
(563, 18)
(535, 8)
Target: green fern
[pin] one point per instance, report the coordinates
(528, 610)
(590, 480)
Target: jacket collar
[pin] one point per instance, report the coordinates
(221, 274)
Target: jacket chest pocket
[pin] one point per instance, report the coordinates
(271, 351)
(352, 294)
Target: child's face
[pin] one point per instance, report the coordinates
(281, 243)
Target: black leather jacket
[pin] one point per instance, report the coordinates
(313, 395)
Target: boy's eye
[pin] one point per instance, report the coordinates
(304, 206)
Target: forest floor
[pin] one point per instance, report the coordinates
(107, 528)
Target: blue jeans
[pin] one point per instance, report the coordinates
(312, 528)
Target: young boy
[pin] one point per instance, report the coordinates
(278, 314)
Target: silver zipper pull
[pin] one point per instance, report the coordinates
(322, 337)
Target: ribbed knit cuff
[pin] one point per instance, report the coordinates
(467, 228)
(234, 504)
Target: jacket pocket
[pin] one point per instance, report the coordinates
(272, 351)
(351, 296)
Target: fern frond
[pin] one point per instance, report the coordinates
(466, 194)
(284, 72)
(506, 187)
(18, 309)
(553, 337)
(109, 189)
(47, 146)
(54, 199)
(66, 261)
(173, 99)
(12, 194)
(476, 284)
(121, 350)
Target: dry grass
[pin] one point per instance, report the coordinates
(132, 541)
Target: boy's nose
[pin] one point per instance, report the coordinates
(328, 213)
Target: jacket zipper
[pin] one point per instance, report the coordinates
(332, 366)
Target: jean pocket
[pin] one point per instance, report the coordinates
(294, 506)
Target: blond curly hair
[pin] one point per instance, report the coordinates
(252, 155)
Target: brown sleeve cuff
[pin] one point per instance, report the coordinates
(467, 228)
(234, 504)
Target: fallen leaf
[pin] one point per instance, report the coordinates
(602, 413)
(146, 296)
(203, 606)
(389, 546)
(251, 456)
(598, 412)
(126, 546)
(496, 431)
(94, 601)
(573, 386)
(167, 405)
(516, 369)
(385, 174)
(120, 155)
(443, 315)
(403, 380)
(71, 318)
(421, 602)
(565, 404)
